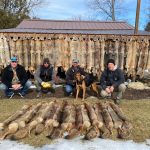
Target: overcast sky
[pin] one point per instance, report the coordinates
(67, 9)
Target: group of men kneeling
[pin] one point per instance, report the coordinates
(14, 79)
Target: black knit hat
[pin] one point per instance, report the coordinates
(111, 61)
(46, 60)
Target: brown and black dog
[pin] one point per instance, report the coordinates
(80, 84)
(93, 78)
(95, 88)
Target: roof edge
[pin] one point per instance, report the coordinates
(49, 20)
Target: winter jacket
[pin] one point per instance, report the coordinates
(70, 74)
(111, 78)
(7, 75)
(44, 74)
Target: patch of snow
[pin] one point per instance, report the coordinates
(13, 145)
(148, 142)
(79, 144)
(56, 86)
(32, 87)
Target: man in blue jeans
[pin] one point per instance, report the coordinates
(70, 76)
(14, 79)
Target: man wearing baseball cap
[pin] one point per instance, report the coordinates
(70, 76)
(14, 79)
(112, 79)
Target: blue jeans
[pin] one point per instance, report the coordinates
(69, 89)
(9, 92)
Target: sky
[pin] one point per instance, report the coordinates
(68, 9)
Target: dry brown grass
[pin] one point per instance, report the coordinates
(138, 111)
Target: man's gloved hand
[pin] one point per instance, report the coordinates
(46, 84)
(42, 83)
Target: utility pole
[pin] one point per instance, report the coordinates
(137, 16)
(113, 10)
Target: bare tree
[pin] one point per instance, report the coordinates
(108, 8)
(83, 18)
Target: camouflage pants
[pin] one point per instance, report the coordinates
(120, 90)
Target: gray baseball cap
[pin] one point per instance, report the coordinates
(75, 61)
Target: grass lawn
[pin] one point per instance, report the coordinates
(138, 112)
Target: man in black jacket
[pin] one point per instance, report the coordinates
(112, 79)
(70, 76)
(14, 79)
(44, 77)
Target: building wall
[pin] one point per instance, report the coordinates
(131, 53)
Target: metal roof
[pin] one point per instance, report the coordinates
(73, 25)
(96, 32)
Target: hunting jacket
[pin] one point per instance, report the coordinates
(7, 75)
(44, 74)
(70, 74)
(111, 78)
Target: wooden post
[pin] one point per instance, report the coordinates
(137, 16)
(113, 10)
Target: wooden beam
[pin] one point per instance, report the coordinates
(137, 16)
